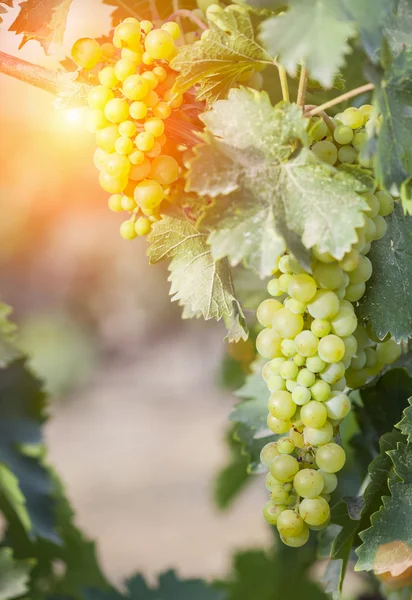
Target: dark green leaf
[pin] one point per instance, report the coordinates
(370, 16)
(14, 575)
(391, 281)
(8, 348)
(405, 425)
(231, 480)
(398, 29)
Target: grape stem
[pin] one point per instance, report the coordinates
(54, 82)
(339, 99)
(283, 83)
(187, 14)
(325, 117)
(303, 82)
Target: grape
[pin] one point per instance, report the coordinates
(123, 145)
(359, 361)
(290, 524)
(369, 230)
(127, 35)
(127, 230)
(338, 406)
(117, 165)
(306, 343)
(266, 310)
(111, 184)
(388, 352)
(115, 203)
(373, 204)
(330, 458)
(268, 344)
(291, 384)
(281, 405)
(278, 425)
(366, 110)
(298, 308)
(301, 395)
(159, 44)
(116, 110)
(162, 110)
(125, 68)
(331, 348)
(272, 368)
(306, 378)
(299, 360)
(144, 141)
(142, 226)
(100, 158)
(302, 287)
(314, 511)
(131, 55)
(330, 481)
(273, 288)
(314, 414)
(326, 151)
(287, 324)
(276, 383)
(317, 436)
(288, 348)
(172, 28)
(151, 99)
(343, 134)
(271, 482)
(355, 291)
(320, 327)
(298, 541)
(141, 170)
(328, 276)
(308, 483)
(107, 77)
(135, 88)
(148, 193)
(350, 261)
(289, 370)
(268, 453)
(127, 129)
(146, 26)
(138, 110)
(317, 128)
(284, 468)
(315, 364)
(272, 511)
(352, 117)
(359, 139)
(363, 271)
(347, 155)
(381, 227)
(320, 390)
(284, 281)
(86, 53)
(351, 346)
(333, 372)
(386, 203)
(344, 322)
(324, 305)
(128, 204)
(371, 357)
(285, 445)
(106, 138)
(99, 96)
(155, 126)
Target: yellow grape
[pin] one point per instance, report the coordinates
(86, 53)
(173, 99)
(135, 87)
(144, 141)
(162, 110)
(127, 230)
(143, 226)
(150, 79)
(172, 28)
(128, 203)
(115, 203)
(155, 126)
(124, 68)
(148, 193)
(117, 165)
(107, 77)
(99, 96)
(138, 110)
(151, 99)
(159, 44)
(106, 138)
(141, 170)
(124, 145)
(127, 35)
(116, 110)
(111, 184)
(127, 129)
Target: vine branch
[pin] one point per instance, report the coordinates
(303, 82)
(187, 14)
(283, 83)
(339, 99)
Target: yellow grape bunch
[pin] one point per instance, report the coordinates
(317, 351)
(127, 113)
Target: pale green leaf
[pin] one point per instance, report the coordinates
(198, 281)
(398, 29)
(14, 575)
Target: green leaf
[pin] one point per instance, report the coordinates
(387, 543)
(274, 199)
(250, 417)
(391, 281)
(393, 98)
(226, 51)
(311, 31)
(405, 425)
(142, 9)
(8, 348)
(232, 479)
(44, 21)
(398, 29)
(371, 17)
(198, 281)
(14, 575)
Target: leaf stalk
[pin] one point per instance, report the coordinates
(339, 99)
(283, 82)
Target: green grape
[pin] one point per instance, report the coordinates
(324, 305)
(352, 117)
(314, 511)
(289, 370)
(359, 361)
(297, 438)
(276, 383)
(328, 276)
(381, 227)
(271, 482)
(301, 395)
(306, 378)
(266, 311)
(290, 524)
(268, 453)
(369, 230)
(350, 261)
(285, 264)
(320, 390)
(317, 128)
(272, 368)
(314, 414)
(362, 337)
(347, 155)
(373, 204)
(302, 287)
(291, 384)
(331, 348)
(366, 110)
(287, 324)
(386, 203)
(281, 405)
(268, 344)
(315, 364)
(308, 483)
(388, 352)
(278, 425)
(288, 348)
(359, 140)
(298, 308)
(285, 445)
(344, 322)
(272, 511)
(339, 386)
(333, 372)
(284, 468)
(299, 360)
(343, 135)
(338, 406)
(317, 436)
(330, 481)
(330, 458)
(284, 281)
(324, 257)
(298, 541)
(371, 358)
(351, 346)
(320, 327)
(363, 271)
(306, 343)
(273, 288)
(326, 151)
(355, 291)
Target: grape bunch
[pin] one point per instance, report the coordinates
(317, 351)
(128, 107)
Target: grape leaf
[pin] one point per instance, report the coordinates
(311, 31)
(14, 575)
(275, 198)
(387, 543)
(398, 28)
(391, 281)
(231, 479)
(197, 280)
(44, 21)
(3, 9)
(227, 50)
(393, 98)
(8, 348)
(250, 417)
(142, 9)
(371, 17)
(405, 425)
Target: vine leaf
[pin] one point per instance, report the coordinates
(322, 45)
(227, 50)
(405, 425)
(198, 281)
(371, 17)
(42, 20)
(391, 281)
(276, 196)
(14, 575)
(398, 28)
(250, 417)
(233, 477)
(8, 348)
(142, 9)
(387, 543)
(3, 9)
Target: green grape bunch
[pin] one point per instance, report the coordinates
(317, 351)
